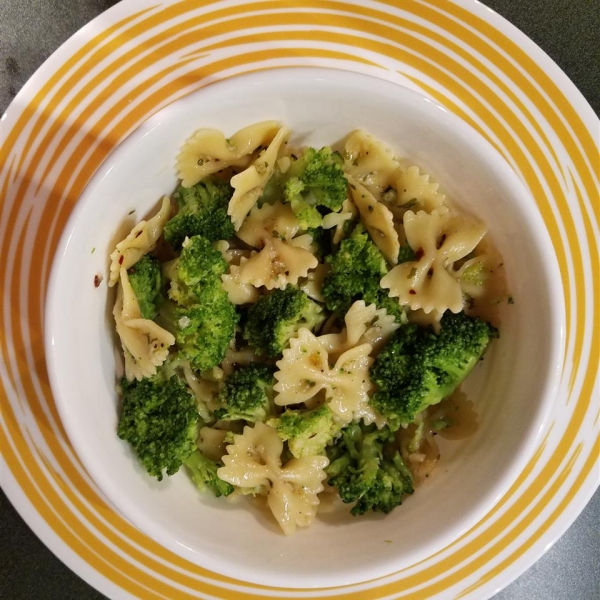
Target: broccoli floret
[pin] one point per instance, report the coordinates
(322, 241)
(418, 368)
(315, 179)
(199, 266)
(202, 331)
(475, 274)
(204, 474)
(308, 431)
(277, 317)
(246, 394)
(159, 420)
(202, 318)
(406, 254)
(146, 281)
(356, 270)
(366, 469)
(202, 211)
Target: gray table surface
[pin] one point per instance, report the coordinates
(568, 30)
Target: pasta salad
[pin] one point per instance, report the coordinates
(296, 322)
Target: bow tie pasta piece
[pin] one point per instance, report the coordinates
(378, 220)
(365, 324)
(250, 184)
(304, 371)
(238, 291)
(263, 222)
(416, 192)
(347, 214)
(279, 263)
(294, 495)
(205, 391)
(145, 344)
(369, 161)
(439, 239)
(207, 151)
(313, 282)
(140, 241)
(254, 461)
(348, 391)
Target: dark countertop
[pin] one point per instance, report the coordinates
(566, 29)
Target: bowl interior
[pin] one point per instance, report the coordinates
(512, 389)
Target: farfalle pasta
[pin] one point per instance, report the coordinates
(279, 263)
(306, 369)
(249, 185)
(254, 461)
(141, 240)
(439, 240)
(300, 352)
(207, 151)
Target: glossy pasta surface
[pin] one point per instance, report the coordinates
(280, 332)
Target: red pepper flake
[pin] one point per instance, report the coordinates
(97, 280)
(121, 258)
(137, 235)
(412, 292)
(419, 254)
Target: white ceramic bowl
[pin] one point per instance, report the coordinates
(513, 388)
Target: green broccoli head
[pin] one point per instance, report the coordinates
(247, 394)
(418, 368)
(308, 216)
(316, 178)
(277, 317)
(204, 474)
(475, 274)
(204, 330)
(322, 242)
(198, 266)
(406, 254)
(202, 211)
(146, 281)
(356, 270)
(367, 470)
(308, 431)
(159, 420)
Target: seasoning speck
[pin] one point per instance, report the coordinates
(97, 280)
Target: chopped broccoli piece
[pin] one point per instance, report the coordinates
(418, 368)
(277, 317)
(204, 474)
(308, 431)
(202, 211)
(366, 469)
(308, 216)
(406, 254)
(202, 331)
(202, 318)
(356, 270)
(322, 241)
(246, 394)
(199, 266)
(159, 420)
(315, 179)
(146, 281)
(474, 274)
